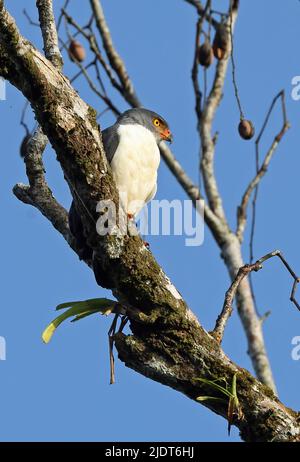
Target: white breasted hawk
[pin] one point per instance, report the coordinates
(132, 149)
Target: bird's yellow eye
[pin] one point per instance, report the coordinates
(156, 122)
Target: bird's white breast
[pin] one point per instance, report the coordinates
(135, 165)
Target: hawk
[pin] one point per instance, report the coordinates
(132, 149)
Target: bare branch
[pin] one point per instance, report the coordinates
(48, 28)
(30, 20)
(195, 68)
(227, 309)
(232, 254)
(226, 312)
(201, 12)
(233, 66)
(208, 147)
(83, 70)
(294, 276)
(114, 58)
(180, 367)
(189, 187)
(227, 241)
(98, 57)
(38, 193)
(261, 171)
(60, 18)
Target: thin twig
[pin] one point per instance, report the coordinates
(251, 248)
(189, 187)
(113, 56)
(90, 37)
(255, 195)
(195, 67)
(200, 11)
(30, 20)
(61, 15)
(233, 67)
(83, 71)
(227, 309)
(242, 209)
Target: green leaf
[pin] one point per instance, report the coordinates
(92, 303)
(233, 405)
(78, 310)
(88, 313)
(216, 386)
(205, 398)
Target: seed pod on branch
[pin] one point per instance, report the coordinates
(246, 129)
(205, 54)
(76, 51)
(221, 42)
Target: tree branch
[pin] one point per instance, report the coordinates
(48, 28)
(176, 362)
(91, 39)
(226, 312)
(227, 241)
(207, 143)
(83, 69)
(38, 193)
(114, 58)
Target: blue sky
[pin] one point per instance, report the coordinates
(61, 391)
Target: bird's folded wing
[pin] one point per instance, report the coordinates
(110, 139)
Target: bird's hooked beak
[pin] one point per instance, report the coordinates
(166, 135)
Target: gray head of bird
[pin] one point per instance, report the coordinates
(150, 120)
